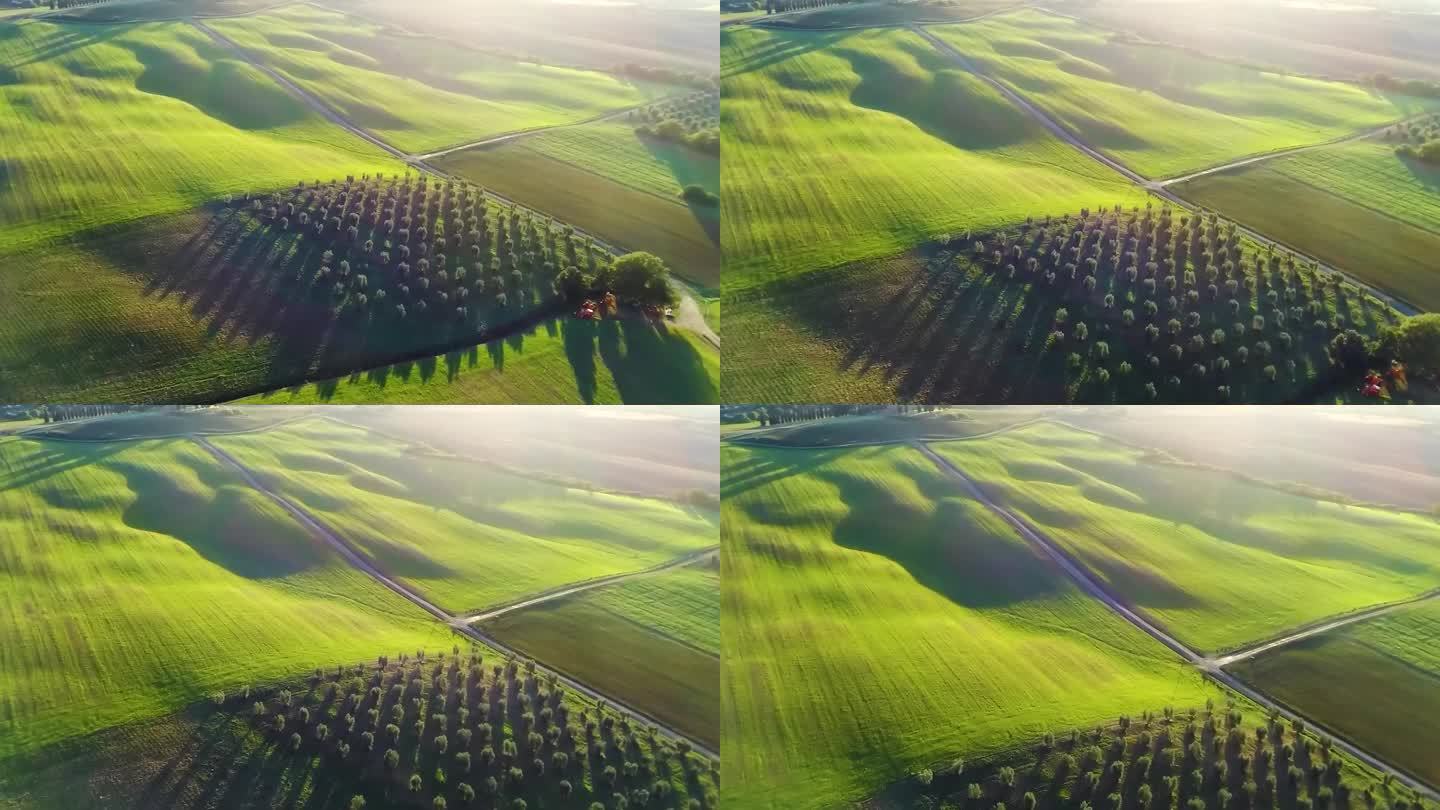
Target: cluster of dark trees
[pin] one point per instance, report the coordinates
(780, 6)
(1419, 140)
(1178, 293)
(1409, 87)
(1199, 760)
(665, 75)
(66, 413)
(59, 4)
(440, 730)
(412, 247)
(693, 121)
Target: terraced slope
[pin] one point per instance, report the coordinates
(464, 537)
(420, 93)
(1216, 559)
(842, 146)
(112, 123)
(1163, 111)
(1377, 682)
(135, 578)
(878, 621)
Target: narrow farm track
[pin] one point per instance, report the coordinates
(1230, 658)
(1158, 189)
(525, 133)
(571, 590)
(345, 550)
(1210, 667)
(694, 323)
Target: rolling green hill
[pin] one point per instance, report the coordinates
(112, 123)
(421, 93)
(1217, 559)
(842, 146)
(877, 621)
(464, 537)
(1376, 681)
(138, 577)
(1164, 111)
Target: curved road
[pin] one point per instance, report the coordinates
(323, 532)
(689, 309)
(1210, 667)
(490, 613)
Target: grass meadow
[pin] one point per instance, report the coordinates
(1164, 111)
(136, 578)
(685, 237)
(652, 642)
(563, 361)
(1377, 682)
(883, 143)
(1357, 206)
(109, 124)
(421, 93)
(878, 621)
(1217, 559)
(464, 540)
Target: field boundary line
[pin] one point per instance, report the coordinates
(1206, 666)
(1321, 627)
(521, 134)
(1164, 193)
(573, 588)
(351, 555)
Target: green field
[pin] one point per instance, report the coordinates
(1377, 682)
(567, 361)
(877, 621)
(1217, 559)
(651, 642)
(420, 93)
(1358, 206)
(614, 150)
(107, 124)
(685, 237)
(465, 538)
(137, 577)
(1164, 111)
(882, 142)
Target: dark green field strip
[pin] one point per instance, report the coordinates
(675, 682)
(1382, 703)
(638, 220)
(1397, 257)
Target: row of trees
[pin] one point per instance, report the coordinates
(1198, 760)
(770, 415)
(1158, 297)
(693, 121)
(435, 730)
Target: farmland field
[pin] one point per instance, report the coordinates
(681, 235)
(1164, 111)
(653, 642)
(110, 124)
(464, 540)
(1376, 681)
(138, 577)
(1217, 559)
(877, 621)
(568, 361)
(420, 93)
(925, 147)
(1357, 206)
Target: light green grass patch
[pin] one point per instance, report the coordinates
(465, 536)
(613, 149)
(1217, 559)
(112, 123)
(137, 577)
(683, 603)
(1377, 682)
(421, 93)
(877, 621)
(1163, 111)
(842, 146)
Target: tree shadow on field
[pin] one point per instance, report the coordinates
(764, 466)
